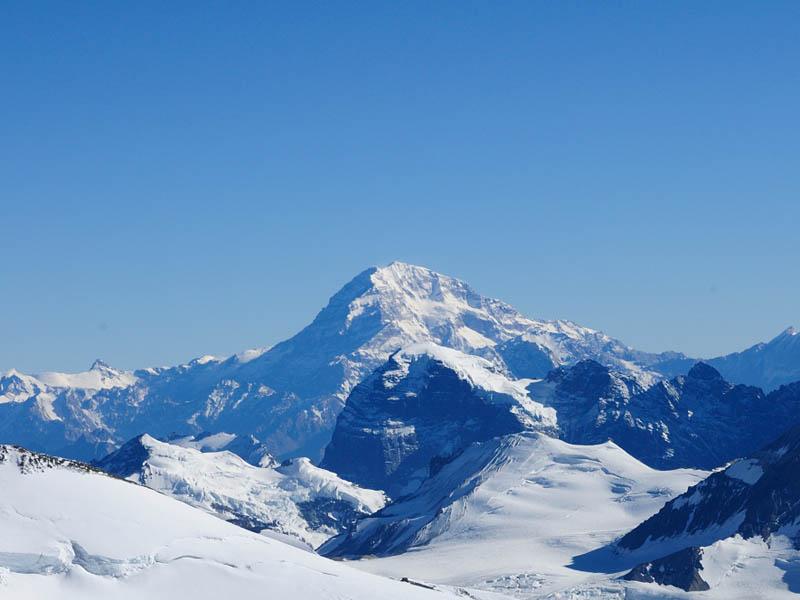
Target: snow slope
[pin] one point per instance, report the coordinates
(295, 499)
(74, 534)
(246, 446)
(99, 377)
(733, 535)
(509, 515)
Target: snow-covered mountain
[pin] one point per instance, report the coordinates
(548, 345)
(75, 534)
(289, 395)
(58, 411)
(735, 532)
(295, 499)
(245, 446)
(423, 406)
(100, 376)
(510, 513)
(694, 420)
(767, 365)
(18, 387)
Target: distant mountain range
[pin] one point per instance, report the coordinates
(454, 444)
(694, 420)
(289, 396)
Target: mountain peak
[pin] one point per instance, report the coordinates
(703, 372)
(399, 265)
(100, 365)
(414, 280)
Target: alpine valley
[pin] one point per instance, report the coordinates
(437, 440)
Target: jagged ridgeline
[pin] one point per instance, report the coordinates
(288, 397)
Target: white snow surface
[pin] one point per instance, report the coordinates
(209, 443)
(18, 387)
(222, 483)
(734, 568)
(248, 355)
(536, 504)
(416, 304)
(77, 535)
(99, 377)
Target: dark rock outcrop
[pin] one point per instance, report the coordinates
(680, 569)
(418, 410)
(694, 420)
(755, 496)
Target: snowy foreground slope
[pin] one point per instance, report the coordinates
(295, 499)
(74, 534)
(510, 514)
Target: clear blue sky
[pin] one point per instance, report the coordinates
(199, 178)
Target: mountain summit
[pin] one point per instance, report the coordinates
(288, 397)
(768, 365)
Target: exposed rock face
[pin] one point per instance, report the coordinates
(755, 496)
(697, 420)
(680, 569)
(588, 398)
(423, 406)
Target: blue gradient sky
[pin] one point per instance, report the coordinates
(201, 177)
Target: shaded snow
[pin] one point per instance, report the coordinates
(747, 470)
